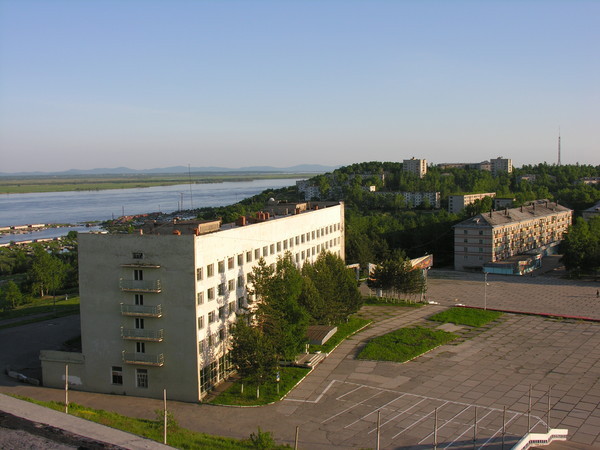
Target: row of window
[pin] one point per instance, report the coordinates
(141, 377)
(222, 313)
(272, 249)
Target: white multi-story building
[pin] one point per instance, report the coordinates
(416, 166)
(414, 199)
(156, 306)
(456, 203)
(501, 164)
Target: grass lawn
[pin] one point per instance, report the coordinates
(466, 316)
(390, 301)
(404, 344)
(41, 306)
(344, 330)
(268, 391)
(152, 429)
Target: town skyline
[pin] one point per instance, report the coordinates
(234, 84)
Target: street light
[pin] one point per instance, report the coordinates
(485, 274)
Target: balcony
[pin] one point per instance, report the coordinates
(141, 311)
(144, 359)
(141, 266)
(140, 285)
(142, 335)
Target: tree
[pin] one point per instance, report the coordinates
(10, 295)
(330, 291)
(278, 314)
(581, 246)
(47, 272)
(397, 275)
(252, 352)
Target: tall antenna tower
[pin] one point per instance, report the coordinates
(559, 146)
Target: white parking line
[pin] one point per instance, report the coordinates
(352, 407)
(398, 415)
(446, 422)
(414, 423)
(374, 411)
(467, 430)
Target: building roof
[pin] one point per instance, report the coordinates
(536, 209)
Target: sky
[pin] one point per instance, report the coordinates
(148, 84)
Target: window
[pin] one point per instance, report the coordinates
(249, 256)
(265, 251)
(139, 299)
(307, 237)
(302, 238)
(297, 240)
(140, 347)
(465, 249)
(257, 253)
(240, 302)
(221, 266)
(240, 282)
(199, 273)
(200, 346)
(285, 244)
(221, 334)
(200, 322)
(231, 285)
(466, 240)
(116, 374)
(200, 297)
(240, 259)
(230, 263)
(222, 314)
(211, 317)
(465, 231)
(210, 294)
(272, 249)
(313, 235)
(481, 232)
(209, 340)
(291, 242)
(137, 255)
(303, 254)
(221, 289)
(231, 308)
(210, 270)
(138, 274)
(278, 247)
(141, 377)
(139, 323)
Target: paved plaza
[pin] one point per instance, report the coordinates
(488, 375)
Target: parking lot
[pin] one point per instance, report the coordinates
(338, 404)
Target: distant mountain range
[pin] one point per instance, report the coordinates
(301, 168)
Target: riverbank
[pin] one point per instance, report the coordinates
(63, 183)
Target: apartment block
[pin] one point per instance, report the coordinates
(157, 305)
(498, 235)
(416, 166)
(501, 164)
(456, 203)
(414, 199)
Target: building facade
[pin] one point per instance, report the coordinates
(499, 235)
(456, 203)
(157, 306)
(416, 166)
(501, 164)
(414, 199)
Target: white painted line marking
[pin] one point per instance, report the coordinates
(398, 415)
(446, 422)
(414, 423)
(467, 430)
(499, 430)
(318, 398)
(374, 411)
(352, 407)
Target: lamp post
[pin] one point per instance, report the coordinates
(485, 274)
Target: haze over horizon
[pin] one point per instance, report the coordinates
(155, 84)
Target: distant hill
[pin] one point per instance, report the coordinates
(301, 168)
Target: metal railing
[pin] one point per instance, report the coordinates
(141, 310)
(142, 335)
(140, 285)
(143, 359)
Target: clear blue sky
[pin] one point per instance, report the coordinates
(144, 84)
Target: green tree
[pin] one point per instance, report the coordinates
(278, 314)
(10, 295)
(47, 272)
(252, 352)
(581, 246)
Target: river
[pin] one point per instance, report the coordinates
(76, 207)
